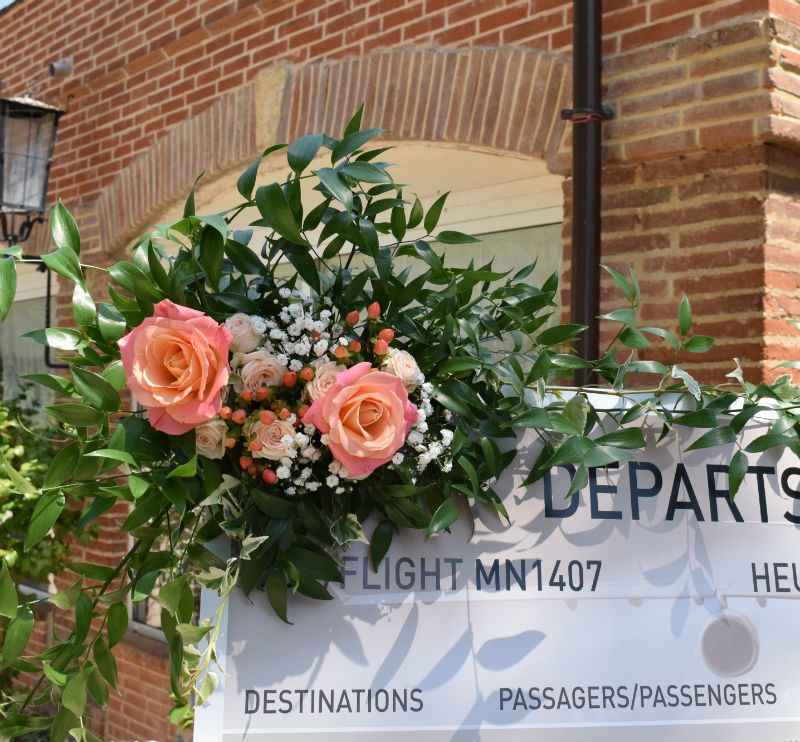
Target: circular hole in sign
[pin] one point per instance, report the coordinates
(730, 645)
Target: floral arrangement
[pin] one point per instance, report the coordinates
(285, 399)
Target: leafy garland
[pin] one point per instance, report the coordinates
(485, 347)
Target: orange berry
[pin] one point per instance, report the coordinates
(381, 347)
(284, 413)
(252, 471)
(230, 442)
(307, 374)
(262, 393)
(374, 310)
(245, 462)
(387, 334)
(302, 411)
(269, 476)
(225, 413)
(289, 379)
(355, 346)
(266, 416)
(340, 352)
(256, 445)
(246, 395)
(239, 417)
(352, 318)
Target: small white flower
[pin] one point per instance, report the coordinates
(291, 490)
(447, 466)
(335, 467)
(397, 459)
(284, 293)
(320, 347)
(312, 486)
(422, 426)
(332, 480)
(323, 439)
(308, 452)
(295, 365)
(447, 436)
(414, 438)
(309, 429)
(283, 472)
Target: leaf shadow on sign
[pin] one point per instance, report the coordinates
(399, 651)
(504, 652)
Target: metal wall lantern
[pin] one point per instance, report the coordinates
(27, 137)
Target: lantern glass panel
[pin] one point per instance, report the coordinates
(26, 146)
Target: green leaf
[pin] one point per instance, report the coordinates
(247, 262)
(699, 344)
(8, 593)
(305, 266)
(97, 687)
(633, 338)
(105, 662)
(63, 465)
(684, 315)
(365, 172)
(113, 454)
(313, 564)
(416, 214)
(65, 262)
(355, 123)
(398, 223)
(559, 334)
(188, 207)
(688, 380)
(58, 678)
(770, 440)
(187, 469)
(623, 283)
(192, 634)
(450, 237)
(8, 286)
(647, 367)
(78, 415)
(714, 437)
(380, 542)
(626, 315)
(533, 418)
(64, 229)
(277, 594)
(92, 571)
(117, 623)
(352, 142)
(111, 323)
(58, 384)
(576, 410)
(83, 308)
(435, 212)
(17, 635)
(579, 480)
(63, 722)
(444, 517)
(211, 253)
(276, 212)
(169, 595)
(336, 186)
(57, 337)
(302, 151)
(20, 483)
(272, 505)
(623, 438)
(312, 589)
(736, 472)
(95, 390)
(45, 514)
(74, 696)
(135, 280)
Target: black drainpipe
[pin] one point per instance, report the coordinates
(587, 115)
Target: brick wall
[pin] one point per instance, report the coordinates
(701, 177)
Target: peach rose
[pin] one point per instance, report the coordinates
(210, 437)
(271, 437)
(258, 369)
(177, 362)
(246, 331)
(367, 416)
(401, 363)
(324, 379)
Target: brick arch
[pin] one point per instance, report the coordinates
(502, 99)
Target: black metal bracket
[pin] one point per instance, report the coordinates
(13, 232)
(582, 115)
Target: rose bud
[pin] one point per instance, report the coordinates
(256, 445)
(307, 374)
(239, 417)
(302, 411)
(225, 413)
(252, 471)
(245, 462)
(262, 393)
(285, 413)
(269, 476)
(266, 416)
(374, 310)
(387, 334)
(230, 442)
(355, 346)
(381, 347)
(352, 318)
(246, 395)
(341, 352)
(289, 379)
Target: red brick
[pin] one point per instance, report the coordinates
(655, 32)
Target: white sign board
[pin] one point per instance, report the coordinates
(649, 607)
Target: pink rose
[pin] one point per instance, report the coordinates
(367, 416)
(258, 369)
(272, 438)
(177, 362)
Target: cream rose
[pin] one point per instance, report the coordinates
(401, 363)
(210, 437)
(324, 379)
(260, 368)
(247, 332)
(271, 437)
